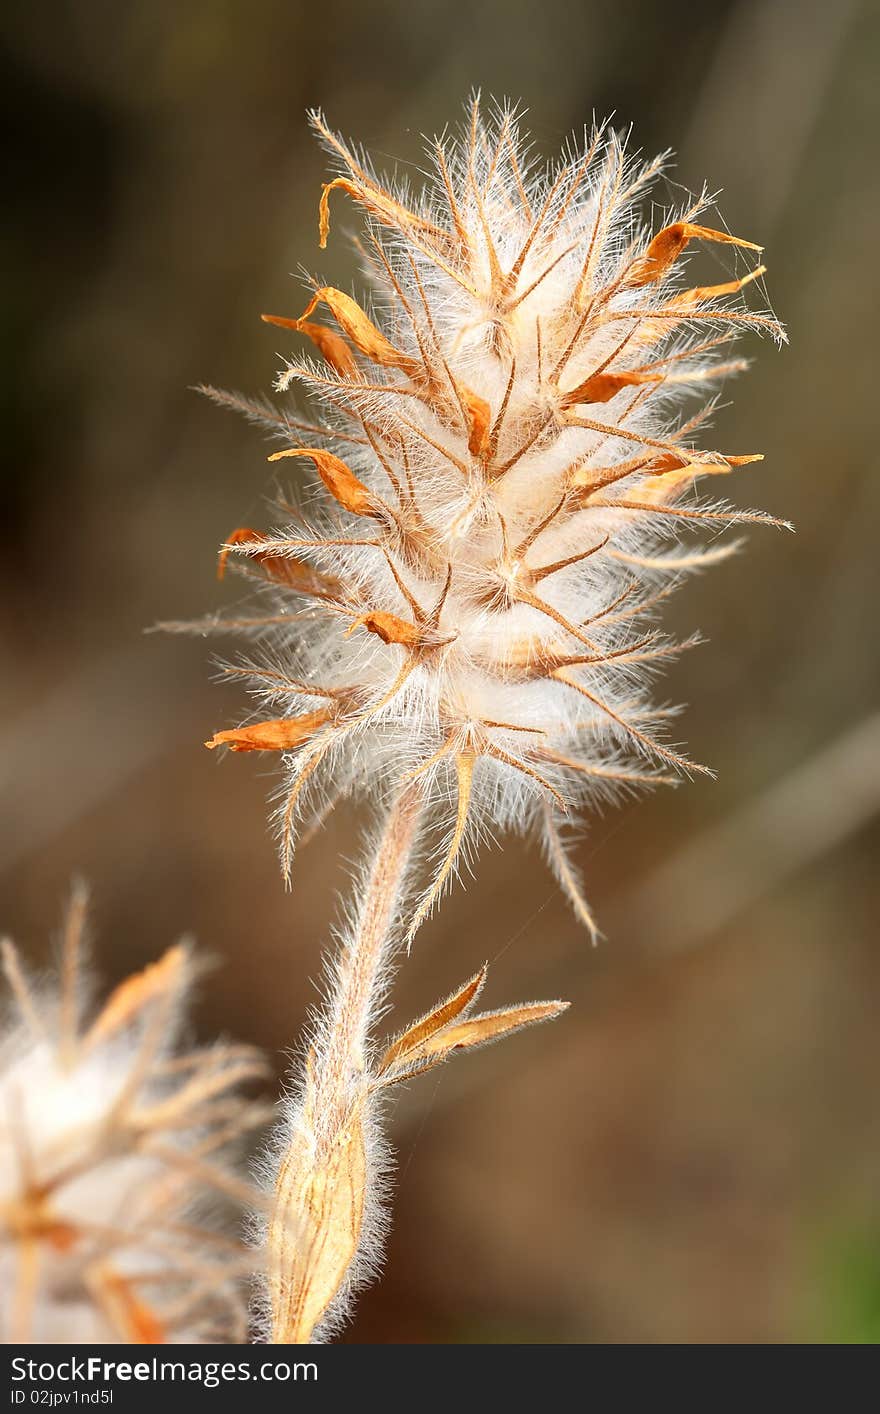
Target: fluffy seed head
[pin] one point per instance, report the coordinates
(494, 491)
(112, 1158)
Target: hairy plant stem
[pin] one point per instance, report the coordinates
(364, 964)
(318, 1213)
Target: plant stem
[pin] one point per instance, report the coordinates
(326, 1173)
(362, 967)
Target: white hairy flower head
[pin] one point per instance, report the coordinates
(112, 1156)
(495, 488)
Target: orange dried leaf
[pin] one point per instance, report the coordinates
(339, 479)
(281, 735)
(668, 245)
(355, 324)
(426, 1026)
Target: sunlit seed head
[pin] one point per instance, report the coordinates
(503, 490)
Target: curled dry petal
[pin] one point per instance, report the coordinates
(668, 245)
(389, 628)
(379, 202)
(280, 735)
(479, 419)
(329, 344)
(601, 387)
(703, 294)
(358, 327)
(339, 479)
(283, 569)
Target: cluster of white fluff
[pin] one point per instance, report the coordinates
(464, 593)
(114, 1154)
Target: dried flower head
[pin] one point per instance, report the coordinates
(463, 594)
(114, 1151)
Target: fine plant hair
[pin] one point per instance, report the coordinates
(120, 1149)
(453, 615)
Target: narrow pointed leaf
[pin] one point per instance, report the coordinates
(491, 1026)
(433, 1021)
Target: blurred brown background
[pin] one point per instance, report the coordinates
(693, 1153)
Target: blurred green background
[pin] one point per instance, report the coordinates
(693, 1153)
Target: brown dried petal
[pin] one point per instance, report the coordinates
(668, 245)
(329, 344)
(385, 208)
(603, 386)
(389, 628)
(671, 473)
(479, 420)
(239, 536)
(369, 340)
(284, 569)
(280, 735)
(339, 479)
(702, 294)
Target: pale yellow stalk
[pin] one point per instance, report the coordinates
(321, 1188)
